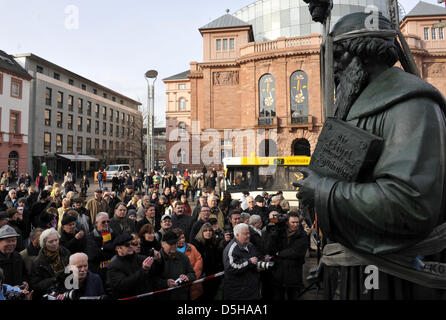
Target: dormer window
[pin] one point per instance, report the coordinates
(225, 44)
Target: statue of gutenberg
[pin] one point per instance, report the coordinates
(403, 199)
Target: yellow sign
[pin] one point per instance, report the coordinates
(276, 161)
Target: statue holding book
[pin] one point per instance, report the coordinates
(377, 178)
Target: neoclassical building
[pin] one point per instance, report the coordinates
(269, 88)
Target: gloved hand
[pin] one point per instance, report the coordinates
(307, 186)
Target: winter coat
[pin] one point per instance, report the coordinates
(96, 252)
(70, 242)
(126, 277)
(183, 222)
(14, 269)
(144, 221)
(122, 225)
(196, 261)
(43, 278)
(147, 246)
(241, 279)
(29, 255)
(289, 253)
(172, 269)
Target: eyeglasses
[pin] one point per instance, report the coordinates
(127, 244)
(135, 243)
(105, 222)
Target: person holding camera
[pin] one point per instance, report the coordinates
(8, 292)
(130, 274)
(288, 243)
(241, 279)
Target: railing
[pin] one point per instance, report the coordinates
(313, 40)
(267, 121)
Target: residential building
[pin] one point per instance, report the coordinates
(14, 103)
(70, 113)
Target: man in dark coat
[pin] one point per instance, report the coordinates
(100, 245)
(176, 270)
(288, 244)
(128, 273)
(399, 202)
(40, 207)
(70, 238)
(181, 220)
(10, 260)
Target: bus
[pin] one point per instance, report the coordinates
(259, 174)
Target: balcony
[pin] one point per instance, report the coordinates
(267, 121)
(302, 121)
(15, 139)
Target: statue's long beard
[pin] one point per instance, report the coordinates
(351, 83)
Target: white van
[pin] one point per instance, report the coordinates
(116, 168)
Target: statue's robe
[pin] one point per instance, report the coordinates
(403, 198)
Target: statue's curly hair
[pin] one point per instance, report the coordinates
(383, 49)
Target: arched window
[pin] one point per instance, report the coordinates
(299, 96)
(182, 104)
(182, 128)
(267, 96)
(301, 147)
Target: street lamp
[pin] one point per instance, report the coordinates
(151, 74)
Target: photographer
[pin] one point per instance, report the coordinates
(288, 243)
(8, 292)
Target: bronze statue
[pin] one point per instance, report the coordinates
(387, 219)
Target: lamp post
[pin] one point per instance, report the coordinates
(151, 74)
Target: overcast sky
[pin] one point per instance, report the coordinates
(115, 42)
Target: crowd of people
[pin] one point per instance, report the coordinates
(149, 232)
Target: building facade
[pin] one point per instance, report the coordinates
(14, 116)
(268, 93)
(78, 124)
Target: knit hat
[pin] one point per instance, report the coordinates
(8, 232)
(67, 219)
(4, 215)
(259, 198)
(131, 212)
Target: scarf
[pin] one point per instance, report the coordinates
(182, 249)
(106, 237)
(54, 259)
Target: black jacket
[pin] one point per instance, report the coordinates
(289, 252)
(70, 242)
(144, 221)
(257, 240)
(126, 277)
(96, 252)
(147, 246)
(184, 222)
(211, 254)
(241, 279)
(14, 269)
(122, 225)
(172, 269)
(43, 278)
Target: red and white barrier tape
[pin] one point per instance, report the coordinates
(173, 288)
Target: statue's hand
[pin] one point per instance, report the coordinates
(319, 9)
(307, 186)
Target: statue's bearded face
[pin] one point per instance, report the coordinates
(350, 79)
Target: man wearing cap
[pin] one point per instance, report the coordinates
(96, 205)
(10, 260)
(70, 238)
(128, 273)
(402, 198)
(166, 225)
(177, 269)
(181, 220)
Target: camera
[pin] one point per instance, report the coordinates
(179, 281)
(265, 265)
(278, 219)
(151, 253)
(68, 295)
(14, 295)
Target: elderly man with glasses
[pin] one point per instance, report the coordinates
(99, 245)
